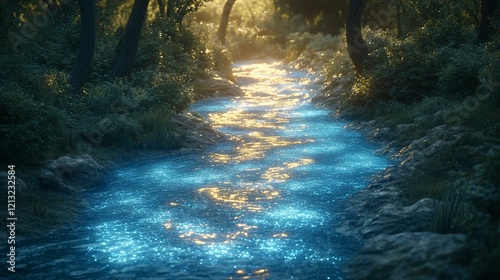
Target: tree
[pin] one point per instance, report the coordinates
(225, 20)
(162, 7)
(85, 53)
(355, 44)
(399, 11)
(320, 15)
(178, 9)
(488, 9)
(129, 43)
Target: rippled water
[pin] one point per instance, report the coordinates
(259, 206)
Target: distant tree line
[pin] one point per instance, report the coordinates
(357, 47)
(321, 15)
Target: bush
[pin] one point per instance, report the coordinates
(460, 76)
(447, 214)
(158, 132)
(311, 50)
(29, 130)
(396, 70)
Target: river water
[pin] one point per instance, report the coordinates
(261, 205)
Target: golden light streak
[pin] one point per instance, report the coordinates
(241, 198)
(258, 137)
(280, 174)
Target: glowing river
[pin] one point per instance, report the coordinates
(259, 206)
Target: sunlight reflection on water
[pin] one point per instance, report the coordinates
(259, 206)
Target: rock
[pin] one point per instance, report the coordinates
(416, 256)
(432, 142)
(216, 86)
(424, 119)
(380, 134)
(49, 181)
(380, 209)
(362, 205)
(392, 219)
(199, 133)
(72, 174)
(402, 129)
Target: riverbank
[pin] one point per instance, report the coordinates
(411, 217)
(394, 228)
(49, 197)
(434, 110)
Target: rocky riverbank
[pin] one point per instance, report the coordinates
(49, 197)
(393, 228)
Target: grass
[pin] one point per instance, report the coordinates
(159, 133)
(446, 214)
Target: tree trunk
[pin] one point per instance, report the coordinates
(355, 44)
(488, 9)
(170, 8)
(161, 5)
(129, 43)
(225, 20)
(399, 11)
(85, 53)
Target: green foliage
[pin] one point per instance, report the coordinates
(124, 133)
(481, 189)
(435, 77)
(158, 132)
(393, 74)
(417, 67)
(29, 130)
(211, 54)
(178, 9)
(446, 214)
(319, 15)
(42, 119)
(436, 34)
(466, 12)
(312, 49)
(461, 75)
(390, 114)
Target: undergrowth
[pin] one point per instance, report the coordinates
(436, 78)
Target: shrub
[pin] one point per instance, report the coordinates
(460, 76)
(396, 70)
(158, 132)
(447, 214)
(311, 48)
(29, 130)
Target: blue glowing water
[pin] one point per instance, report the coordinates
(261, 205)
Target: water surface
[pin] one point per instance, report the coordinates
(261, 205)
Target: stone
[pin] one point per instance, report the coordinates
(49, 181)
(72, 174)
(422, 255)
(380, 209)
(216, 86)
(393, 218)
(199, 133)
(433, 142)
(380, 134)
(362, 206)
(402, 129)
